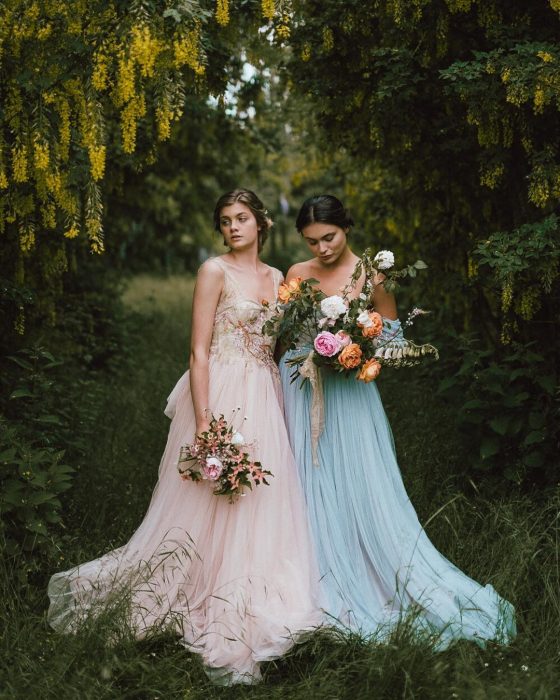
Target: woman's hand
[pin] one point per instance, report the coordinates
(202, 426)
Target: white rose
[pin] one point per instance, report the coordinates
(384, 260)
(364, 320)
(237, 439)
(333, 307)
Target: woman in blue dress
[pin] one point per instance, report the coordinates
(378, 566)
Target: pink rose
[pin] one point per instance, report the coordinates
(343, 338)
(327, 344)
(212, 469)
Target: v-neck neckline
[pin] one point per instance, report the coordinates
(238, 289)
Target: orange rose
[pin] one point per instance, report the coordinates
(288, 290)
(350, 356)
(376, 326)
(369, 370)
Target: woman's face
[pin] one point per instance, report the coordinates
(327, 242)
(239, 227)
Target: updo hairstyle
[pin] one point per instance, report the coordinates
(252, 202)
(323, 209)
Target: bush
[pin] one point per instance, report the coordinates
(508, 411)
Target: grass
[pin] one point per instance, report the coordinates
(509, 541)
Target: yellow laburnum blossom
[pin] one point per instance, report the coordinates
(472, 268)
(539, 187)
(95, 234)
(505, 75)
(19, 324)
(133, 111)
(125, 79)
(164, 117)
(283, 30)
(555, 4)
(41, 156)
(529, 303)
(3, 180)
(545, 56)
(19, 163)
(64, 128)
(328, 39)
(306, 53)
(97, 156)
(539, 100)
(268, 8)
(144, 49)
(186, 50)
(48, 212)
(44, 32)
(490, 177)
(507, 295)
(222, 12)
(72, 232)
(26, 240)
(100, 74)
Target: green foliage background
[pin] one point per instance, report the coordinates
(436, 121)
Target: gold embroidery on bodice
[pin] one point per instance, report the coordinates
(238, 325)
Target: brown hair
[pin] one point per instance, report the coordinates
(250, 200)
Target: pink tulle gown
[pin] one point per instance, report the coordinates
(238, 581)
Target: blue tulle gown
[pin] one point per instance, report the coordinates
(377, 564)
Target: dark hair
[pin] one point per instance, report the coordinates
(250, 200)
(323, 209)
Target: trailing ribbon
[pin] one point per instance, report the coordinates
(309, 370)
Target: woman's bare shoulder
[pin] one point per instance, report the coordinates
(301, 269)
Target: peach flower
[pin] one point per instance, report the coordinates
(350, 356)
(375, 327)
(288, 290)
(369, 370)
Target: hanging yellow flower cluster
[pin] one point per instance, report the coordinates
(222, 12)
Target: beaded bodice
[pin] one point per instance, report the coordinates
(238, 324)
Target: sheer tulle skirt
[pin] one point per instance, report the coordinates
(237, 581)
(376, 562)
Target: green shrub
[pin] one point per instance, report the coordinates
(508, 411)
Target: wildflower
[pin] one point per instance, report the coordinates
(268, 8)
(73, 232)
(524, 668)
(144, 49)
(545, 56)
(328, 39)
(19, 163)
(97, 161)
(222, 12)
(100, 73)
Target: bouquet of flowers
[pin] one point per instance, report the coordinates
(216, 456)
(347, 335)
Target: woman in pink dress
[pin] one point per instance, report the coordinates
(237, 581)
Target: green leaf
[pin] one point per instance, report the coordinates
(48, 418)
(22, 392)
(489, 447)
(473, 403)
(548, 383)
(500, 424)
(534, 459)
(533, 437)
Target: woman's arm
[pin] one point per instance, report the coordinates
(209, 284)
(383, 302)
